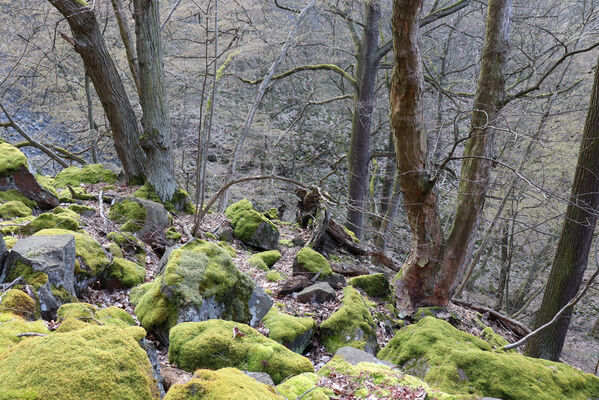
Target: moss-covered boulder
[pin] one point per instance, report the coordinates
(212, 344)
(372, 285)
(98, 362)
(14, 209)
(309, 262)
(274, 276)
(91, 314)
(251, 227)
(128, 244)
(19, 303)
(351, 325)
(459, 363)
(15, 175)
(11, 325)
(305, 385)
(47, 264)
(179, 202)
(75, 176)
(91, 258)
(148, 219)
(15, 195)
(51, 220)
(265, 259)
(122, 273)
(226, 383)
(295, 333)
(199, 281)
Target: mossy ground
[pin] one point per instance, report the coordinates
(98, 362)
(459, 363)
(129, 213)
(11, 159)
(285, 328)
(172, 234)
(91, 314)
(269, 257)
(226, 383)
(75, 176)
(312, 261)
(210, 344)
(14, 209)
(373, 285)
(350, 325)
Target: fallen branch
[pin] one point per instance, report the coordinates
(516, 326)
(561, 312)
(27, 334)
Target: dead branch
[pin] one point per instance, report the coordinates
(28, 334)
(516, 326)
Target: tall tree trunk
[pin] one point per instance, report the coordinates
(434, 268)
(89, 44)
(156, 139)
(359, 151)
(572, 251)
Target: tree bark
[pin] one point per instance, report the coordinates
(89, 44)
(359, 150)
(573, 248)
(156, 139)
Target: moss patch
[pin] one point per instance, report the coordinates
(13, 209)
(172, 234)
(226, 383)
(459, 363)
(351, 325)
(312, 261)
(82, 210)
(51, 220)
(292, 332)
(269, 257)
(179, 202)
(10, 241)
(32, 277)
(75, 176)
(17, 302)
(10, 326)
(274, 277)
(232, 252)
(372, 285)
(11, 159)
(210, 344)
(91, 314)
(298, 385)
(126, 272)
(46, 184)
(248, 223)
(130, 245)
(97, 362)
(129, 213)
(15, 195)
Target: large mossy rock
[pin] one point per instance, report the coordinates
(295, 333)
(47, 264)
(18, 302)
(59, 218)
(226, 383)
(15, 175)
(199, 281)
(91, 258)
(372, 285)
(351, 325)
(147, 219)
(309, 262)
(75, 176)
(179, 202)
(123, 273)
(14, 209)
(251, 227)
(459, 363)
(264, 260)
(96, 362)
(11, 325)
(212, 344)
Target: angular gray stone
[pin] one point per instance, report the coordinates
(225, 232)
(261, 377)
(53, 256)
(317, 293)
(355, 356)
(156, 221)
(259, 305)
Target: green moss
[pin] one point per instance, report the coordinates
(299, 385)
(10, 326)
(97, 362)
(13, 209)
(10, 241)
(496, 341)
(179, 202)
(81, 210)
(210, 235)
(210, 344)
(272, 214)
(29, 275)
(15, 195)
(274, 277)
(257, 262)
(71, 324)
(246, 221)
(351, 325)
(232, 252)
(138, 291)
(46, 184)
(286, 243)
(87, 249)
(17, 302)
(62, 295)
(312, 261)
(129, 213)
(75, 176)
(172, 234)
(91, 314)
(17, 225)
(288, 330)
(459, 363)
(130, 244)
(115, 250)
(226, 383)
(126, 272)
(51, 220)
(384, 376)
(351, 234)
(269, 257)
(373, 285)
(65, 195)
(11, 159)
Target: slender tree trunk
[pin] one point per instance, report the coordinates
(572, 251)
(156, 139)
(504, 243)
(434, 268)
(359, 150)
(121, 20)
(89, 44)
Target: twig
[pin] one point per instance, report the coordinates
(308, 391)
(27, 334)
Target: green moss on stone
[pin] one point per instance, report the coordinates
(351, 325)
(17, 302)
(75, 176)
(287, 329)
(351, 234)
(87, 249)
(130, 244)
(16, 225)
(373, 285)
(257, 262)
(274, 276)
(232, 252)
(226, 383)
(312, 261)
(245, 220)
(15, 195)
(46, 184)
(13, 209)
(304, 385)
(180, 200)
(210, 344)
(269, 257)
(11, 159)
(172, 234)
(496, 341)
(115, 250)
(459, 363)
(10, 326)
(272, 214)
(129, 213)
(81, 210)
(29, 275)
(98, 362)
(51, 220)
(138, 291)
(91, 314)
(10, 241)
(126, 272)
